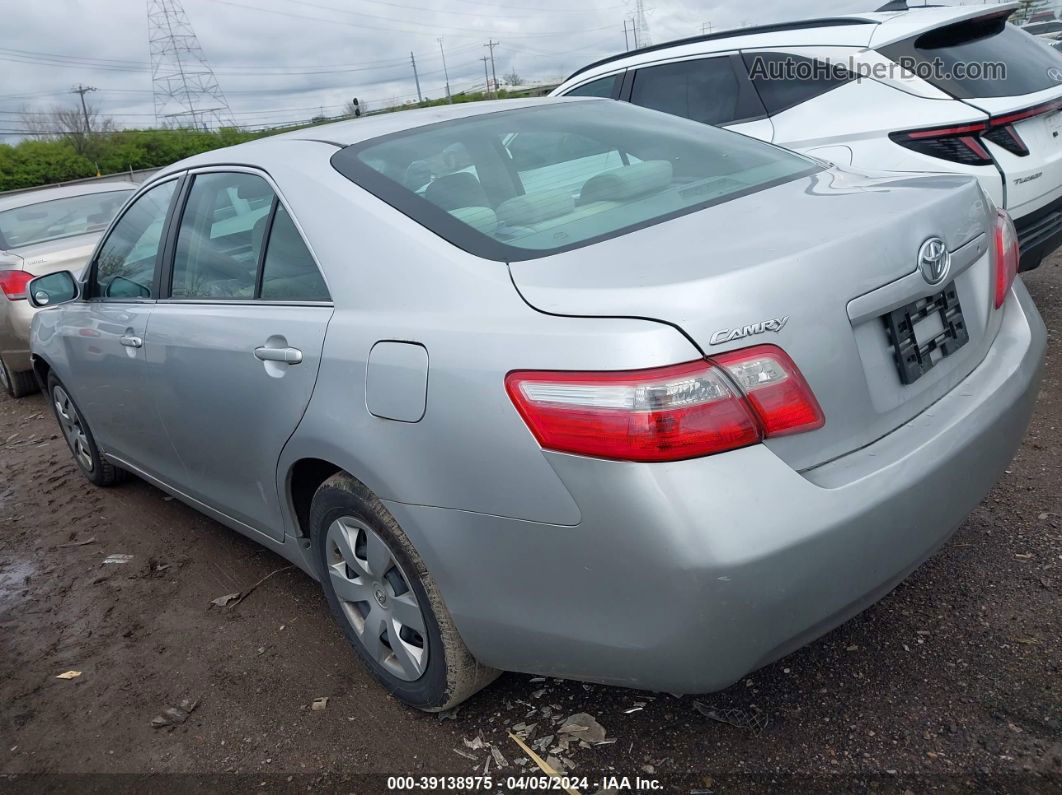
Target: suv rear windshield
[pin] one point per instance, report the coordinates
(58, 218)
(945, 56)
(520, 184)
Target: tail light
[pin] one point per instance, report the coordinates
(13, 283)
(1008, 253)
(669, 413)
(959, 144)
(1006, 136)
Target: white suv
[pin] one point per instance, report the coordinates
(833, 88)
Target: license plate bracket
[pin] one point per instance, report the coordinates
(924, 332)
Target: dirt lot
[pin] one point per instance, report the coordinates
(952, 682)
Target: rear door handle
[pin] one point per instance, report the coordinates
(285, 355)
(131, 341)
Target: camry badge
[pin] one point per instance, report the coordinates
(731, 334)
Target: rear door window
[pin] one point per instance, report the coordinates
(980, 58)
(708, 90)
(221, 235)
(784, 80)
(237, 242)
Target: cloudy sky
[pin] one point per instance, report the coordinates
(281, 61)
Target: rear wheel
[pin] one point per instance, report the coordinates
(17, 383)
(386, 603)
(79, 438)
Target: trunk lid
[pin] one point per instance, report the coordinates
(68, 253)
(831, 253)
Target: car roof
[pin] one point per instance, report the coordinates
(856, 30)
(26, 198)
(352, 131)
(345, 133)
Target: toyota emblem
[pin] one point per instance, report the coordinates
(934, 260)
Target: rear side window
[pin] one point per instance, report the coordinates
(289, 272)
(705, 90)
(559, 176)
(980, 58)
(784, 81)
(604, 88)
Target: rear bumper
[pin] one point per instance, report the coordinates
(1039, 234)
(685, 576)
(15, 320)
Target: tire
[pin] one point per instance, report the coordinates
(79, 438)
(17, 383)
(362, 552)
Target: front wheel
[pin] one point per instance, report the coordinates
(79, 438)
(386, 603)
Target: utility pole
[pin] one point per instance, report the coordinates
(82, 90)
(446, 74)
(412, 60)
(492, 44)
(634, 32)
(626, 41)
(706, 27)
(486, 76)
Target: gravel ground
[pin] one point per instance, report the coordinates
(951, 682)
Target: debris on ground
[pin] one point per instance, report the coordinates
(584, 727)
(319, 704)
(77, 543)
(233, 599)
(69, 675)
(117, 559)
(226, 600)
(753, 720)
(499, 760)
(549, 766)
(172, 717)
(465, 754)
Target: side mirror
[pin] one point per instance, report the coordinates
(55, 288)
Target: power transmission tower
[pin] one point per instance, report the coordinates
(182, 81)
(446, 74)
(492, 44)
(82, 90)
(642, 34)
(416, 77)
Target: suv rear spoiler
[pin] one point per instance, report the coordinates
(919, 20)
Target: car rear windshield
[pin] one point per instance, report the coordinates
(980, 58)
(520, 184)
(58, 218)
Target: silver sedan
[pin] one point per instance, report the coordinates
(567, 387)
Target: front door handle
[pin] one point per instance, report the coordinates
(130, 341)
(285, 355)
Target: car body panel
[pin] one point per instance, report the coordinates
(227, 415)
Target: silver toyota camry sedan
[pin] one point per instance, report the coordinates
(566, 387)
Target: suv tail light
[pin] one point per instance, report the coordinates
(958, 143)
(1008, 253)
(13, 283)
(668, 413)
